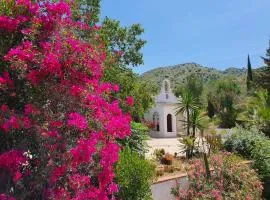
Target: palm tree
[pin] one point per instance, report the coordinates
(260, 110)
(198, 123)
(186, 105)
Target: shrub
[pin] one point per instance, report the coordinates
(243, 141)
(261, 156)
(159, 153)
(189, 146)
(230, 179)
(160, 172)
(134, 175)
(137, 140)
(228, 118)
(214, 142)
(252, 145)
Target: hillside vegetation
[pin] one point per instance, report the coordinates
(179, 73)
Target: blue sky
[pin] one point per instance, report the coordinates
(213, 33)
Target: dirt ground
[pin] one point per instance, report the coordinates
(170, 145)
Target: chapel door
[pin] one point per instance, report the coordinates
(169, 123)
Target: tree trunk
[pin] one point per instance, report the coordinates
(188, 121)
(206, 163)
(193, 138)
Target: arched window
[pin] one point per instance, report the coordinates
(156, 121)
(169, 123)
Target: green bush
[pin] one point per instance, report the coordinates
(137, 140)
(253, 145)
(228, 118)
(243, 141)
(134, 176)
(261, 157)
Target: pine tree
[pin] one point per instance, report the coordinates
(249, 74)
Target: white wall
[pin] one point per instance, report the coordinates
(169, 109)
(163, 109)
(164, 106)
(149, 116)
(162, 190)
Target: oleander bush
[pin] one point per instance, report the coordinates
(230, 179)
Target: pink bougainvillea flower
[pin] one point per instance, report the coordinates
(56, 173)
(26, 122)
(5, 79)
(52, 65)
(2, 80)
(82, 153)
(30, 109)
(78, 181)
(6, 197)
(113, 188)
(4, 108)
(57, 124)
(130, 101)
(12, 160)
(8, 23)
(116, 88)
(12, 122)
(17, 176)
(76, 90)
(59, 193)
(77, 120)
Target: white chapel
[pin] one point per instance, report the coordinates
(163, 115)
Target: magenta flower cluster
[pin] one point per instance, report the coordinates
(69, 111)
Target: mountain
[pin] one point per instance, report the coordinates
(178, 73)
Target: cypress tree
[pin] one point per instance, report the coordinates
(210, 109)
(249, 74)
(249, 70)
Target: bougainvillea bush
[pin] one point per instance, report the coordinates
(58, 120)
(230, 179)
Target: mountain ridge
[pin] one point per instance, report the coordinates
(179, 72)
